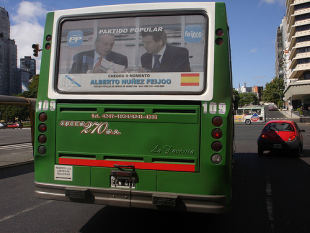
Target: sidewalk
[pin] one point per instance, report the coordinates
(15, 159)
(289, 114)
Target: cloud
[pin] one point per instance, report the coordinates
(280, 2)
(254, 50)
(26, 30)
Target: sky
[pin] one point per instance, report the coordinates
(253, 27)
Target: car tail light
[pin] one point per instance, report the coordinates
(291, 138)
(264, 137)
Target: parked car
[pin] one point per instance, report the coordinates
(281, 135)
(15, 125)
(3, 125)
(270, 107)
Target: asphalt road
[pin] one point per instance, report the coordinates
(13, 136)
(270, 194)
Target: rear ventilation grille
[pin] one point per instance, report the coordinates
(174, 111)
(173, 160)
(123, 110)
(78, 109)
(77, 156)
(123, 158)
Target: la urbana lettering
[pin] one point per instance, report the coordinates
(170, 150)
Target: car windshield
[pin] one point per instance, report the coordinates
(279, 127)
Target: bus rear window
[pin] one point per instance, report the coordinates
(132, 55)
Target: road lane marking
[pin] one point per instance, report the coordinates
(24, 211)
(269, 203)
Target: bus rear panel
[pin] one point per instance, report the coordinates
(132, 135)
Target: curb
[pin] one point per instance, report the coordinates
(15, 143)
(16, 164)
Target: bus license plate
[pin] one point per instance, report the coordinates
(277, 146)
(123, 182)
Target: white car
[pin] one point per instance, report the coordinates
(3, 125)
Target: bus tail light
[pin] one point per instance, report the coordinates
(217, 121)
(217, 146)
(219, 32)
(48, 46)
(48, 38)
(219, 41)
(42, 128)
(42, 138)
(42, 150)
(217, 133)
(216, 158)
(43, 116)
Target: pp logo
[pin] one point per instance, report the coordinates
(193, 34)
(75, 38)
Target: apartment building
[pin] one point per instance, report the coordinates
(29, 64)
(9, 83)
(296, 53)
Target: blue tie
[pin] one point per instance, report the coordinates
(156, 63)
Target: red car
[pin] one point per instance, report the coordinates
(281, 135)
(15, 125)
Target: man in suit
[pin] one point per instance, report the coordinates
(90, 61)
(161, 57)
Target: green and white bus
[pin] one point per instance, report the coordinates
(250, 114)
(134, 107)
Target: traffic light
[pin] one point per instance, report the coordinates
(35, 49)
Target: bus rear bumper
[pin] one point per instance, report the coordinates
(133, 198)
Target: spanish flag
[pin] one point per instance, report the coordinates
(190, 79)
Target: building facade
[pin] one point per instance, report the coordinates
(29, 64)
(296, 53)
(279, 64)
(9, 83)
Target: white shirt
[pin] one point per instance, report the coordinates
(96, 58)
(161, 53)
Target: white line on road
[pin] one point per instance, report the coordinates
(24, 211)
(269, 203)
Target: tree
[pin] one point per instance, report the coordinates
(236, 97)
(247, 98)
(273, 92)
(21, 112)
(33, 88)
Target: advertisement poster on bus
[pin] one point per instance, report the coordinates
(135, 55)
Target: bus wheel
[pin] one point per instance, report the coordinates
(247, 121)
